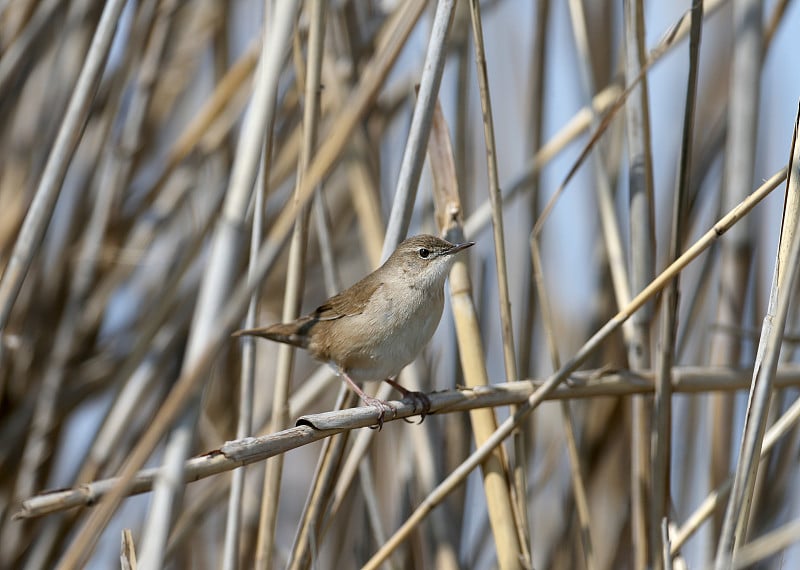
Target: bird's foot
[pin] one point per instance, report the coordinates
(382, 408)
(419, 399)
(370, 401)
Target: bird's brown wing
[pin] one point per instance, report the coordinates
(342, 305)
(298, 333)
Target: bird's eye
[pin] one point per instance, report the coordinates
(423, 252)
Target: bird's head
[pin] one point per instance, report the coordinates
(424, 260)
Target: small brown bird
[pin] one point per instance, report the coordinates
(372, 330)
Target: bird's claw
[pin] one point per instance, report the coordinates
(382, 408)
(420, 401)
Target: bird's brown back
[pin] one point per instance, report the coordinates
(301, 332)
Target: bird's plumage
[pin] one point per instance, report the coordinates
(372, 330)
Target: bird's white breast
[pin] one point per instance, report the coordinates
(402, 322)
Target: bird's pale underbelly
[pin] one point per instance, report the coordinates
(383, 356)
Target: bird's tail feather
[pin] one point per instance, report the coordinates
(286, 333)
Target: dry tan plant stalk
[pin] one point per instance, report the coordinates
(641, 206)
(293, 292)
(737, 514)
(519, 466)
(496, 477)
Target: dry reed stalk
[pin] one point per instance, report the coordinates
(642, 231)
(767, 545)
(614, 257)
(127, 553)
(661, 430)
(737, 514)
(506, 528)
(244, 428)
(737, 249)
(293, 291)
(419, 131)
(520, 464)
(578, 484)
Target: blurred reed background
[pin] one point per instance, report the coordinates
(160, 163)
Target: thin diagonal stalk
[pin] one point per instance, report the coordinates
(767, 545)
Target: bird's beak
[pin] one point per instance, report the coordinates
(459, 246)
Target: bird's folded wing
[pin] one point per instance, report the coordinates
(350, 302)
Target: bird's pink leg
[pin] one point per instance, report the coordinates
(372, 401)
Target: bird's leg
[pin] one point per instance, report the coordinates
(415, 397)
(372, 401)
